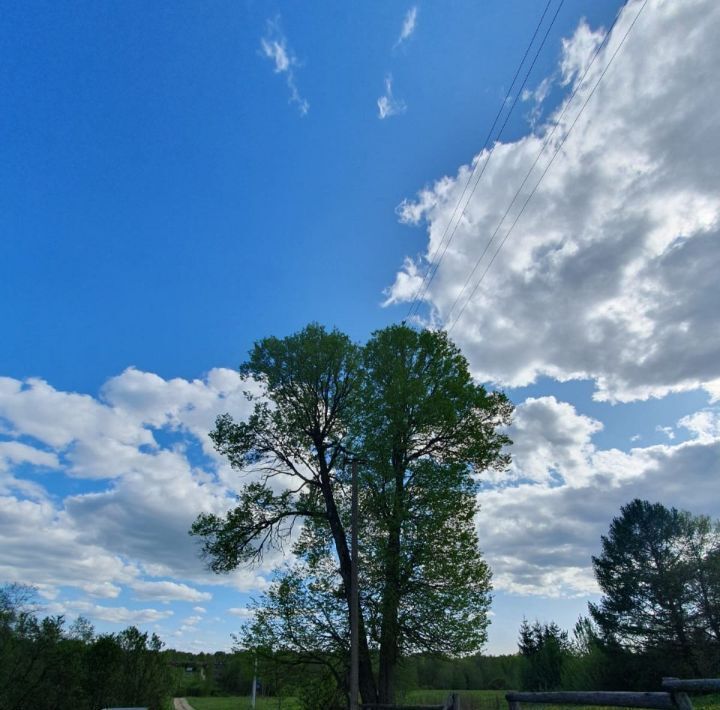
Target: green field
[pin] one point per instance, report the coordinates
(242, 703)
(469, 700)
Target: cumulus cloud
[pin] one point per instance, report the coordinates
(540, 529)
(408, 26)
(274, 46)
(611, 272)
(388, 105)
(13, 453)
(552, 442)
(112, 614)
(539, 523)
(168, 591)
(133, 525)
(40, 547)
(704, 425)
(243, 612)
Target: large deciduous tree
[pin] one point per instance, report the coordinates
(296, 440)
(406, 408)
(425, 430)
(660, 577)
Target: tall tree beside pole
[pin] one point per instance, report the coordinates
(427, 431)
(407, 406)
(309, 385)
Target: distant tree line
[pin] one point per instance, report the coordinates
(48, 665)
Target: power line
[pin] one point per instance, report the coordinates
(430, 273)
(547, 167)
(546, 142)
(472, 192)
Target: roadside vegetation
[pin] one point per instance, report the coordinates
(46, 664)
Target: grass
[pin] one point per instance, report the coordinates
(469, 700)
(242, 703)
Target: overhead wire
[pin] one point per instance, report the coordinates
(546, 142)
(430, 273)
(547, 167)
(485, 164)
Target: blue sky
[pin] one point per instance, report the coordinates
(179, 181)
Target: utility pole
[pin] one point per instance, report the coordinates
(254, 684)
(354, 594)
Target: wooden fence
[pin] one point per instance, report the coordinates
(452, 703)
(674, 696)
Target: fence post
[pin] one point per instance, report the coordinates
(681, 700)
(455, 701)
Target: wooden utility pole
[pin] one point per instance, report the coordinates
(354, 594)
(254, 685)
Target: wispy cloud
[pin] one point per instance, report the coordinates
(408, 26)
(667, 430)
(387, 104)
(274, 47)
(537, 96)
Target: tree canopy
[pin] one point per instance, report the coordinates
(659, 571)
(406, 409)
(46, 666)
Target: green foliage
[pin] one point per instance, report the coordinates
(545, 649)
(319, 689)
(46, 667)
(660, 574)
(406, 407)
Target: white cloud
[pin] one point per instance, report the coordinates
(274, 47)
(539, 531)
(58, 419)
(667, 430)
(389, 105)
(16, 452)
(611, 272)
(13, 453)
(200, 609)
(408, 26)
(243, 612)
(704, 425)
(136, 524)
(112, 614)
(40, 547)
(578, 50)
(550, 439)
(168, 591)
(537, 96)
(104, 590)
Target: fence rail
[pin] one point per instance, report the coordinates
(617, 699)
(452, 703)
(674, 697)
(696, 685)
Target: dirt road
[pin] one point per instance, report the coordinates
(182, 704)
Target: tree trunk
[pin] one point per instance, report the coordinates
(390, 630)
(368, 689)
